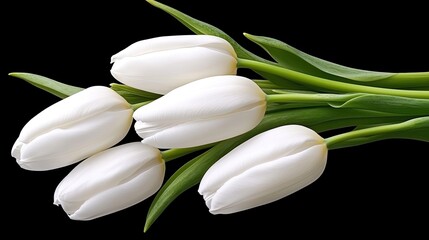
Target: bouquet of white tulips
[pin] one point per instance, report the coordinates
(258, 140)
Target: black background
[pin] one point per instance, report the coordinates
(375, 189)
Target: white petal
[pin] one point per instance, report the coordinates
(122, 196)
(161, 72)
(84, 104)
(174, 42)
(269, 181)
(205, 98)
(71, 143)
(267, 146)
(192, 115)
(204, 131)
(110, 181)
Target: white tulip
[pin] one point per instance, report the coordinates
(72, 129)
(205, 111)
(267, 167)
(162, 64)
(110, 181)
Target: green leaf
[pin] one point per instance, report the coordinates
(186, 177)
(412, 129)
(202, 28)
(420, 134)
(373, 102)
(416, 129)
(56, 88)
(387, 103)
(294, 59)
(133, 95)
(191, 173)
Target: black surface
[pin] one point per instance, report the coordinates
(376, 189)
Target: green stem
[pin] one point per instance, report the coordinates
(406, 80)
(326, 84)
(175, 153)
(309, 98)
(369, 133)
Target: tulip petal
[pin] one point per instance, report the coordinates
(73, 129)
(107, 168)
(97, 186)
(212, 96)
(122, 196)
(204, 131)
(192, 115)
(69, 144)
(269, 181)
(166, 43)
(163, 71)
(265, 168)
(82, 105)
(273, 144)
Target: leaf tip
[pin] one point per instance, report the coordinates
(153, 2)
(248, 35)
(146, 226)
(18, 74)
(23, 75)
(13, 74)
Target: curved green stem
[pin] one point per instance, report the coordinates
(309, 98)
(326, 84)
(405, 80)
(368, 134)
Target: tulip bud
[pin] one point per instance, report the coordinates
(267, 167)
(72, 129)
(162, 64)
(205, 111)
(110, 181)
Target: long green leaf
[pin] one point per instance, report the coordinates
(133, 95)
(387, 103)
(191, 173)
(373, 102)
(420, 134)
(294, 59)
(412, 129)
(202, 28)
(56, 88)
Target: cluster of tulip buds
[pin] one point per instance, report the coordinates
(262, 141)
